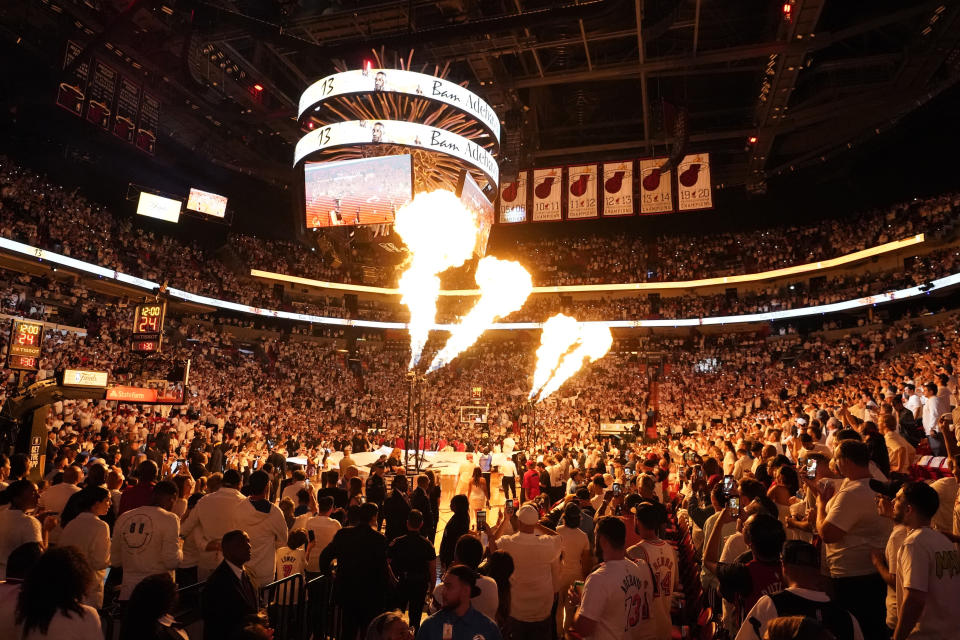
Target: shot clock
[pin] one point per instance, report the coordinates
(26, 338)
(148, 326)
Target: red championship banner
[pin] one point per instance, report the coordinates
(547, 194)
(656, 191)
(128, 104)
(148, 124)
(582, 192)
(618, 188)
(694, 190)
(71, 94)
(513, 200)
(102, 89)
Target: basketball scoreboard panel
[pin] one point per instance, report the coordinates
(26, 339)
(148, 327)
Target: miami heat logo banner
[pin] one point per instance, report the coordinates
(656, 194)
(693, 183)
(582, 192)
(618, 188)
(547, 190)
(513, 200)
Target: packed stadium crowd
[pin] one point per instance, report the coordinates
(749, 484)
(42, 214)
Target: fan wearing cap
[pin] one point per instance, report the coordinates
(802, 597)
(458, 620)
(535, 551)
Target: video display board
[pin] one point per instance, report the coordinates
(356, 192)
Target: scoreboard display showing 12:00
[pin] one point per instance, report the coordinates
(148, 326)
(26, 338)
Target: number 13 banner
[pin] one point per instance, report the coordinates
(582, 192)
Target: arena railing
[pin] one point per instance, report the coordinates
(821, 265)
(865, 301)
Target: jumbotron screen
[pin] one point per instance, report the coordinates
(154, 206)
(471, 195)
(357, 192)
(211, 204)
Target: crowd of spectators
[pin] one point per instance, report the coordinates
(788, 460)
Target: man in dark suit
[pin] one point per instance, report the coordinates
(396, 508)
(361, 581)
(229, 596)
(420, 500)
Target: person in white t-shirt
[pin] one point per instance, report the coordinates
(928, 570)
(320, 531)
(617, 596)
(146, 540)
(17, 527)
(851, 529)
(508, 481)
(662, 559)
(886, 561)
(535, 550)
(575, 560)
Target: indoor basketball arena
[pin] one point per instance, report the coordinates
(479, 320)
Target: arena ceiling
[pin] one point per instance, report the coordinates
(763, 85)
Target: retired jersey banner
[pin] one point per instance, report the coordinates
(148, 124)
(547, 194)
(618, 188)
(128, 106)
(103, 88)
(582, 192)
(656, 190)
(71, 94)
(513, 200)
(694, 190)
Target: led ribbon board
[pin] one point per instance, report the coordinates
(410, 134)
(889, 296)
(411, 83)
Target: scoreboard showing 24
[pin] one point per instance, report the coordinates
(26, 338)
(148, 327)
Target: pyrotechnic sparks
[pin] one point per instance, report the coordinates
(504, 287)
(440, 233)
(564, 345)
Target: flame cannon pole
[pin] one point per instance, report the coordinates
(413, 430)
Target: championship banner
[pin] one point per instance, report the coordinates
(148, 124)
(618, 189)
(547, 194)
(582, 192)
(103, 87)
(513, 200)
(128, 103)
(398, 81)
(411, 134)
(656, 190)
(71, 94)
(694, 190)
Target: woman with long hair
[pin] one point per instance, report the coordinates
(479, 492)
(355, 492)
(185, 486)
(91, 536)
(148, 611)
(499, 566)
(50, 602)
(457, 525)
